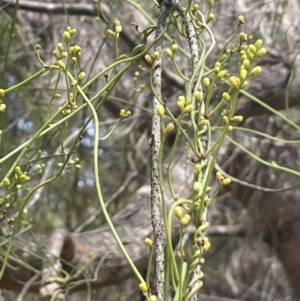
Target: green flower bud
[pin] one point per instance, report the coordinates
(225, 119)
(64, 54)
(197, 186)
(6, 182)
(201, 261)
(234, 82)
(241, 19)
(122, 113)
(169, 53)
(243, 74)
(169, 128)
(160, 110)
(226, 96)
(2, 107)
(127, 114)
(252, 48)
(149, 242)
(111, 33)
(247, 64)
(66, 36)
(210, 17)
(258, 43)
(185, 220)
(261, 52)
(178, 212)
(243, 37)
(174, 47)
(244, 84)
(61, 64)
(255, 71)
(206, 82)
(199, 96)
(203, 122)
(118, 26)
(180, 105)
(198, 168)
(182, 99)
(222, 74)
(68, 111)
(22, 177)
(148, 59)
(122, 57)
(226, 181)
(155, 55)
(206, 247)
(219, 176)
(195, 8)
(143, 287)
(60, 46)
(217, 70)
(229, 129)
(153, 298)
(18, 170)
(73, 31)
(250, 55)
(188, 109)
(56, 54)
(81, 75)
(69, 29)
(237, 118)
(76, 49)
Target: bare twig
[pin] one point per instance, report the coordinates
(155, 142)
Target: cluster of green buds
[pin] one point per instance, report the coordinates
(71, 163)
(2, 105)
(124, 114)
(61, 53)
(203, 244)
(221, 74)
(71, 106)
(19, 175)
(247, 57)
(68, 33)
(222, 180)
(170, 52)
(39, 167)
(116, 32)
(151, 58)
(137, 74)
(184, 219)
(183, 107)
(4, 202)
(75, 52)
